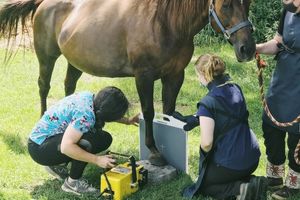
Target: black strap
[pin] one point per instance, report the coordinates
(283, 47)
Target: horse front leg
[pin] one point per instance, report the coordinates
(145, 85)
(171, 85)
(72, 76)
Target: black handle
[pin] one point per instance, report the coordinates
(133, 169)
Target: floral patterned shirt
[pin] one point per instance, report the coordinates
(76, 110)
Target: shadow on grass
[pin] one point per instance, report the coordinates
(163, 191)
(167, 190)
(51, 190)
(14, 142)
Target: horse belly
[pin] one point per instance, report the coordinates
(98, 58)
(101, 64)
(105, 70)
(94, 44)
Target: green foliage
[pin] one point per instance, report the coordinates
(264, 15)
(208, 36)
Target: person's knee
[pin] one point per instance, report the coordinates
(96, 142)
(85, 144)
(107, 139)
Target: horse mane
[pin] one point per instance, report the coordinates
(179, 16)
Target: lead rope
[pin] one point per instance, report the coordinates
(260, 65)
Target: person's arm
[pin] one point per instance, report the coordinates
(270, 47)
(130, 121)
(70, 148)
(207, 126)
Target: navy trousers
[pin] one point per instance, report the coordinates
(275, 145)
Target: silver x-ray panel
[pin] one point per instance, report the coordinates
(170, 138)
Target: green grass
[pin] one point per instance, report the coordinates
(22, 178)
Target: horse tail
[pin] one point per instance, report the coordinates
(13, 12)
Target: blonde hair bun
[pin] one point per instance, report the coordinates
(210, 66)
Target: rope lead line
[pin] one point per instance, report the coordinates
(260, 65)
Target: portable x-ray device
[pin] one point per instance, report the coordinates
(123, 180)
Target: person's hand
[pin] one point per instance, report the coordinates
(130, 121)
(133, 120)
(179, 116)
(190, 120)
(106, 161)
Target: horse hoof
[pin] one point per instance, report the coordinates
(157, 159)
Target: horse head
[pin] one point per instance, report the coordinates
(231, 18)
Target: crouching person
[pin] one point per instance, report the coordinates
(229, 151)
(71, 132)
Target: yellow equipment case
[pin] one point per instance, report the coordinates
(123, 180)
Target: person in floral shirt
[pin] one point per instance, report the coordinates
(71, 132)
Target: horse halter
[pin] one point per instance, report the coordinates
(227, 32)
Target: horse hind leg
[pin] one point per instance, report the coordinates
(72, 76)
(46, 69)
(47, 52)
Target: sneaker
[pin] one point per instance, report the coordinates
(256, 189)
(275, 183)
(78, 187)
(285, 193)
(58, 171)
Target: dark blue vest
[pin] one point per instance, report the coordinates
(283, 97)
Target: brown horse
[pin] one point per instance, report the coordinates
(145, 39)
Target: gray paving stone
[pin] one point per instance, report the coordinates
(158, 174)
